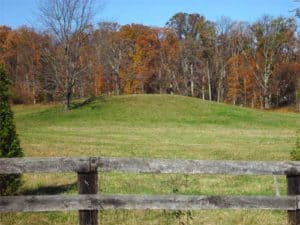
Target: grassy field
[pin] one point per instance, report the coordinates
(156, 126)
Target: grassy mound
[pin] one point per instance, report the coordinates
(156, 126)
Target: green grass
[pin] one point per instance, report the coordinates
(156, 126)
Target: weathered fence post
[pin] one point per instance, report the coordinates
(88, 184)
(293, 188)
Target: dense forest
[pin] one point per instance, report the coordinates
(254, 65)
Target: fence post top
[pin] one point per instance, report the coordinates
(93, 164)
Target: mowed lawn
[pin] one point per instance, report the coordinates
(156, 126)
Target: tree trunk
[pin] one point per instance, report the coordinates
(34, 92)
(245, 93)
(267, 104)
(192, 80)
(261, 102)
(160, 82)
(253, 100)
(176, 89)
(266, 99)
(67, 101)
(266, 85)
(219, 90)
(221, 86)
(277, 98)
(234, 97)
(192, 88)
(203, 88)
(117, 84)
(209, 82)
(298, 94)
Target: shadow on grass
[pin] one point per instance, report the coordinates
(77, 105)
(50, 190)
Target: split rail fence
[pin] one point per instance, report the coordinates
(88, 202)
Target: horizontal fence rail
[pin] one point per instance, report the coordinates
(106, 164)
(94, 202)
(88, 202)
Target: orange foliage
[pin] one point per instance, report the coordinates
(21, 52)
(240, 80)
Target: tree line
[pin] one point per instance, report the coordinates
(250, 64)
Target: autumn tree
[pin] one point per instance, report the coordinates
(285, 83)
(21, 53)
(169, 56)
(141, 70)
(297, 92)
(68, 22)
(196, 36)
(222, 55)
(232, 61)
(146, 60)
(232, 39)
(112, 54)
(272, 37)
(240, 80)
(4, 32)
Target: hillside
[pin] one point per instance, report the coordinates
(156, 126)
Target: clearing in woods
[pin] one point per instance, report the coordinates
(156, 126)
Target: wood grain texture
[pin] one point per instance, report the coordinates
(293, 188)
(88, 184)
(197, 166)
(43, 165)
(96, 202)
(30, 165)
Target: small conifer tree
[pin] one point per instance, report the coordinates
(9, 142)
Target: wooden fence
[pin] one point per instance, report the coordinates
(88, 202)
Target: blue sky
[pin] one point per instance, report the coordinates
(15, 13)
